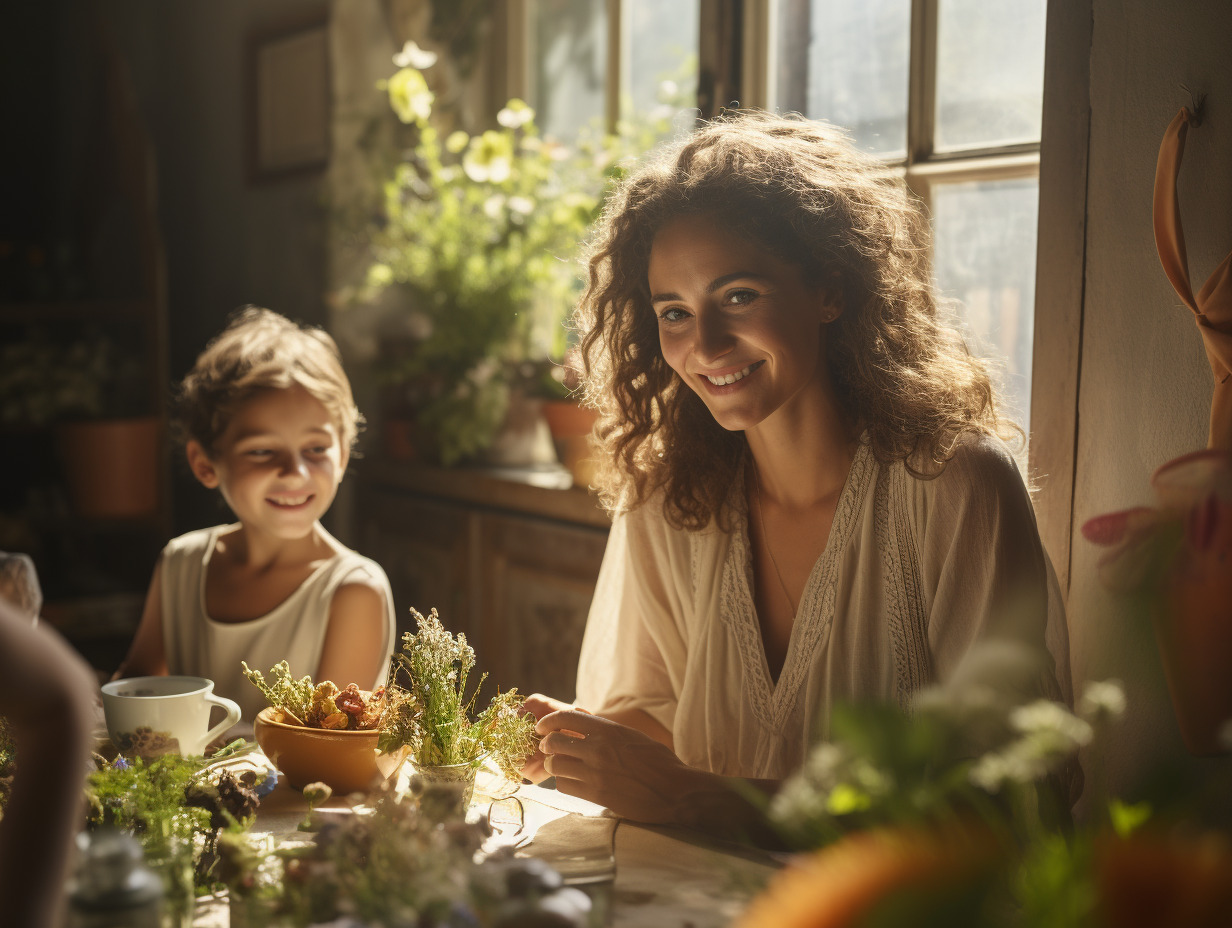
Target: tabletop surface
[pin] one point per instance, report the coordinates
(643, 875)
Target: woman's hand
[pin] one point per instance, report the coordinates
(619, 767)
(540, 706)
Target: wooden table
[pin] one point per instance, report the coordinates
(639, 875)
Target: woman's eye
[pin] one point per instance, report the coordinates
(672, 314)
(258, 453)
(740, 297)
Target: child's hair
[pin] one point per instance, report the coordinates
(799, 189)
(261, 350)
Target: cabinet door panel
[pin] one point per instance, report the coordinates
(538, 581)
(425, 549)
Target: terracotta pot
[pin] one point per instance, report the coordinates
(571, 426)
(348, 761)
(566, 418)
(111, 466)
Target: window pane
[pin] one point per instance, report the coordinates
(658, 92)
(990, 73)
(984, 256)
(568, 72)
(848, 63)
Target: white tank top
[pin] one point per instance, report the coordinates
(293, 631)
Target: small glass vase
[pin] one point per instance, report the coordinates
(445, 791)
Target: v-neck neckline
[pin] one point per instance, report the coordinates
(770, 698)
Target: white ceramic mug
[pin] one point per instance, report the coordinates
(150, 716)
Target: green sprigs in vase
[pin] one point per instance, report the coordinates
(433, 667)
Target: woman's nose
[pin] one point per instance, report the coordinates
(712, 340)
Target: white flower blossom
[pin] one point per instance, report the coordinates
(515, 115)
(523, 205)
(1044, 717)
(412, 56)
(1102, 701)
(494, 205)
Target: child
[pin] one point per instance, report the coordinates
(269, 421)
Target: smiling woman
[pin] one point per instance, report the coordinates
(268, 421)
(812, 499)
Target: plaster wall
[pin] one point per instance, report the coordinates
(1145, 385)
(229, 240)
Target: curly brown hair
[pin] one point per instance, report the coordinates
(800, 190)
(261, 350)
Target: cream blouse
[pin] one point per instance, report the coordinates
(914, 571)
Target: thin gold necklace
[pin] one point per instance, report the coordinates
(765, 538)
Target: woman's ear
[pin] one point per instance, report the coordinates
(829, 292)
(201, 465)
(831, 306)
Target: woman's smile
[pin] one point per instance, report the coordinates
(721, 380)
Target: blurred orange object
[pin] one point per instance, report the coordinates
(845, 883)
(1152, 880)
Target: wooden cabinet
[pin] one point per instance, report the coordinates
(510, 564)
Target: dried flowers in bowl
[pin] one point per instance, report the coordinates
(317, 732)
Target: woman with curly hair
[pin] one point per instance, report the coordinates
(813, 501)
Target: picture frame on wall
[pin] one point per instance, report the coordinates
(289, 101)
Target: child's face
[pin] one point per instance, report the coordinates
(277, 464)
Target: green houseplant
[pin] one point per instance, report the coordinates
(481, 232)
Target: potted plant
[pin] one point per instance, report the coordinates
(107, 442)
(480, 234)
(448, 740)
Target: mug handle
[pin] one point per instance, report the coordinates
(233, 715)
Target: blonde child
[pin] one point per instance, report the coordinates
(269, 422)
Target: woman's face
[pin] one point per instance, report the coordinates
(741, 327)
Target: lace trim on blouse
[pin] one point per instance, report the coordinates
(906, 617)
(773, 704)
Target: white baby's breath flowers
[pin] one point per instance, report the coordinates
(824, 764)
(798, 801)
(1043, 717)
(412, 56)
(1102, 701)
(1048, 734)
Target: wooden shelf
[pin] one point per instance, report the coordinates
(507, 489)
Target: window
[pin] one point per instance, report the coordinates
(581, 73)
(951, 91)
